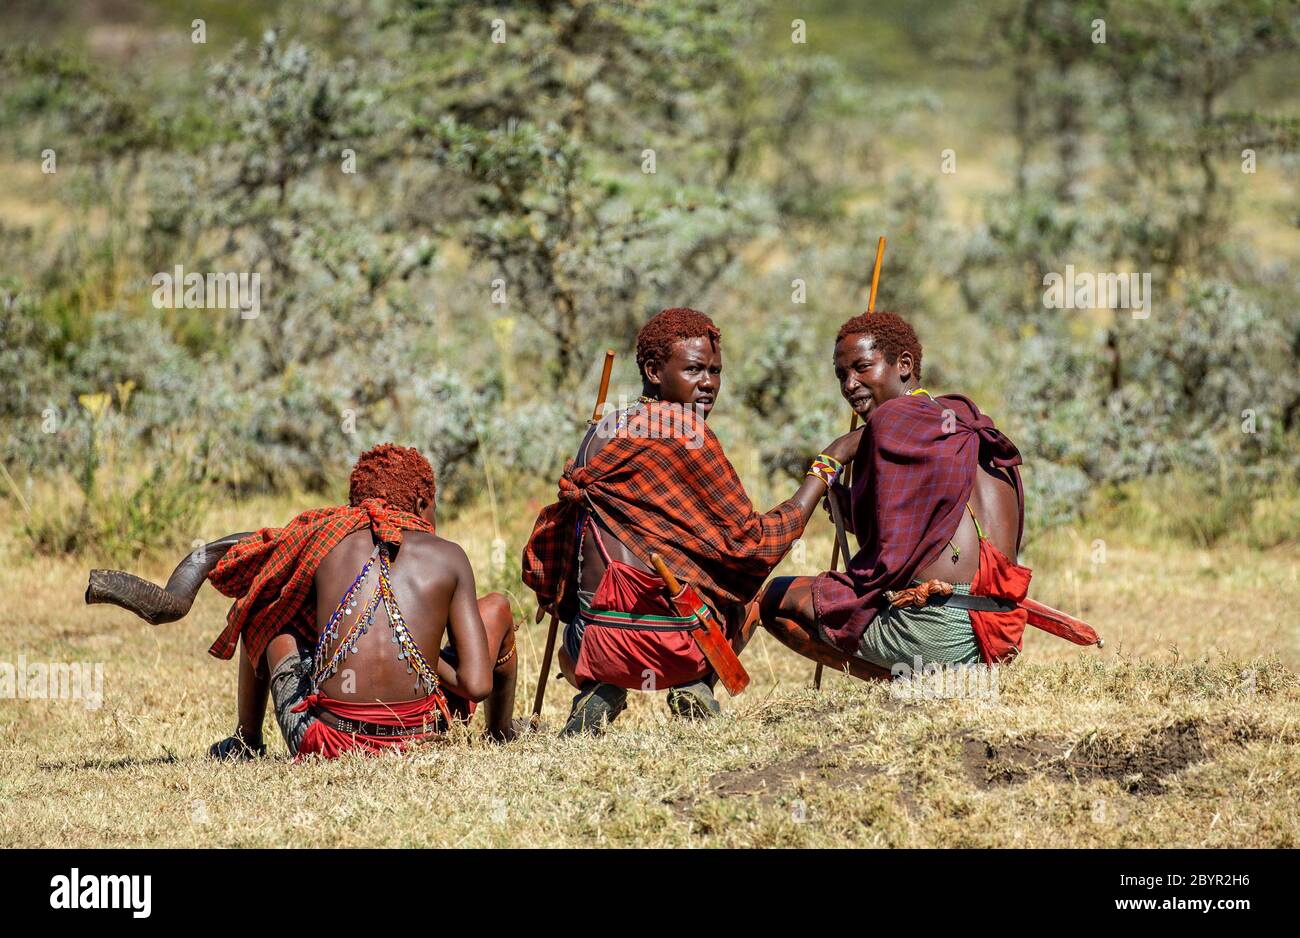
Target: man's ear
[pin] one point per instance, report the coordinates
(654, 373)
(905, 365)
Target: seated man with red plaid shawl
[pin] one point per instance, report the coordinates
(647, 479)
(938, 510)
(335, 611)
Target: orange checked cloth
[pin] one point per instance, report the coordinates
(671, 493)
(270, 574)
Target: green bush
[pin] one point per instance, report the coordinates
(99, 509)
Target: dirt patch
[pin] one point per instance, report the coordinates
(774, 712)
(1141, 767)
(1008, 762)
(770, 782)
(1140, 764)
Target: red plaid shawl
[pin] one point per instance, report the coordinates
(675, 494)
(912, 479)
(270, 574)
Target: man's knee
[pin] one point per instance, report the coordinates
(568, 667)
(494, 609)
(786, 612)
(277, 650)
(771, 600)
(498, 619)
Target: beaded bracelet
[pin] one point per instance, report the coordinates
(825, 468)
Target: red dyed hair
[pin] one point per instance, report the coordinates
(399, 475)
(654, 343)
(889, 332)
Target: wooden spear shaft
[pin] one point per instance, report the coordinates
(840, 537)
(875, 275)
(540, 696)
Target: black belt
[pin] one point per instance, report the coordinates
(973, 603)
(362, 728)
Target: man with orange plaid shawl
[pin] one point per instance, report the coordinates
(653, 478)
(334, 611)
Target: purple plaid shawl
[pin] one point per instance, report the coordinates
(914, 471)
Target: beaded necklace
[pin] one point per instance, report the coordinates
(323, 668)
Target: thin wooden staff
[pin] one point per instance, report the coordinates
(550, 635)
(841, 539)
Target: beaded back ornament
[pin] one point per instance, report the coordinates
(324, 668)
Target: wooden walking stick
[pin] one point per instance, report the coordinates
(875, 275)
(550, 635)
(841, 539)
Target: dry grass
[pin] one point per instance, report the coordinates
(1157, 741)
(1183, 732)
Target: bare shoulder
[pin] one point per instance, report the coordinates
(596, 438)
(434, 552)
(351, 551)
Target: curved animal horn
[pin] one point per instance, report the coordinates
(147, 600)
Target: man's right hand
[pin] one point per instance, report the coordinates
(545, 610)
(846, 447)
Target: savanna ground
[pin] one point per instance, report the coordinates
(1181, 732)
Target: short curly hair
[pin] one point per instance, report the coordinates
(398, 475)
(654, 343)
(890, 333)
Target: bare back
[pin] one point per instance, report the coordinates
(993, 499)
(431, 580)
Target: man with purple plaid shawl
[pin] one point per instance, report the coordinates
(936, 496)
